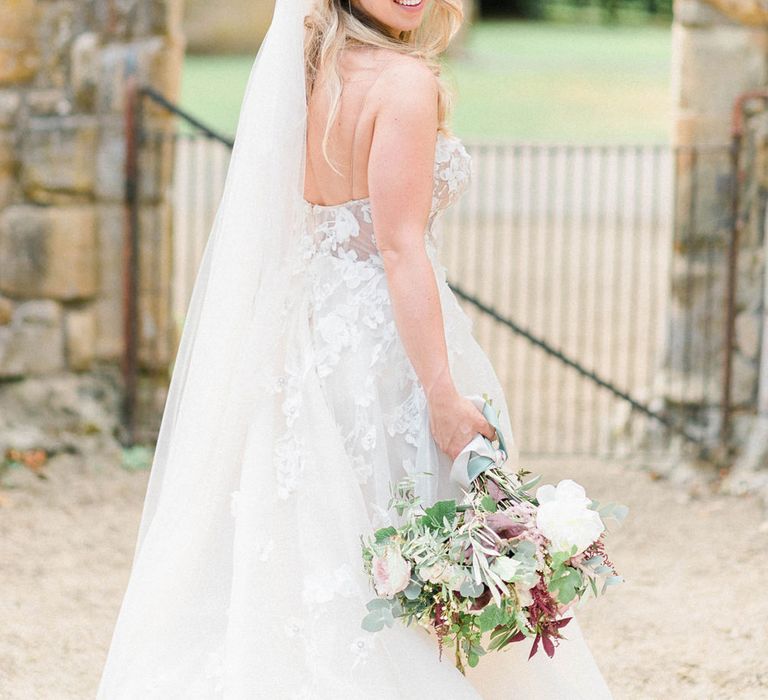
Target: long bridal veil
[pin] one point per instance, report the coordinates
(246, 581)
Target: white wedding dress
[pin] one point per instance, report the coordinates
(269, 604)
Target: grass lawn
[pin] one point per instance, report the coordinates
(529, 81)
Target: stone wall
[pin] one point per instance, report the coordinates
(227, 26)
(63, 65)
(716, 58)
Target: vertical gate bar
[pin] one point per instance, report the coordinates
(599, 302)
(180, 232)
(590, 391)
(487, 242)
(577, 230)
(541, 251)
(505, 258)
(518, 345)
(635, 326)
(130, 271)
(614, 295)
(526, 206)
(557, 283)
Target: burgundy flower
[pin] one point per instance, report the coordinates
(504, 526)
(482, 600)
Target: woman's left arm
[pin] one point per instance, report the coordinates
(400, 183)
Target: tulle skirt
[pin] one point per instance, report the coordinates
(249, 583)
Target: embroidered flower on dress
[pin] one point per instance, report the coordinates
(361, 648)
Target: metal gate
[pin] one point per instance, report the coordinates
(560, 254)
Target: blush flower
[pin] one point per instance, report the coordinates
(564, 516)
(391, 572)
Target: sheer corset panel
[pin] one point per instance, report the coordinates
(369, 382)
(346, 229)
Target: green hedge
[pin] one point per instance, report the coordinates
(612, 10)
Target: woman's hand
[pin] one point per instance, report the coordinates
(455, 420)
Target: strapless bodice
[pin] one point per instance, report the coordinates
(347, 228)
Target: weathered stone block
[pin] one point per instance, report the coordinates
(748, 332)
(140, 17)
(7, 150)
(156, 61)
(80, 337)
(744, 381)
(61, 412)
(58, 157)
(715, 65)
(696, 13)
(108, 306)
(10, 100)
(9, 189)
(156, 330)
(19, 57)
(84, 71)
(155, 163)
(32, 343)
(691, 129)
(48, 102)
(58, 24)
(48, 252)
(6, 311)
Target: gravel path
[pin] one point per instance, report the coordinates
(690, 621)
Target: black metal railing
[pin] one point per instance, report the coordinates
(563, 257)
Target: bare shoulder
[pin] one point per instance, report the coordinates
(405, 82)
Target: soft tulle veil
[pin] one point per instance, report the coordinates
(246, 580)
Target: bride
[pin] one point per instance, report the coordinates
(323, 358)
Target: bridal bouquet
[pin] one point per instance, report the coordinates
(501, 566)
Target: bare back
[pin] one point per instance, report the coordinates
(350, 137)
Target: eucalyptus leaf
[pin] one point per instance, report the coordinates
(528, 485)
(412, 591)
(525, 547)
(372, 622)
(471, 589)
(377, 619)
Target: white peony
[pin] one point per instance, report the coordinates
(433, 573)
(454, 577)
(391, 572)
(565, 519)
(451, 575)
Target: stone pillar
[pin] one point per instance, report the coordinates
(715, 59)
(62, 70)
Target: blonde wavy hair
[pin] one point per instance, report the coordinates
(335, 24)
